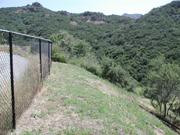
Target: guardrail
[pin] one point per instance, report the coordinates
(25, 62)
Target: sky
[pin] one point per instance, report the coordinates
(108, 7)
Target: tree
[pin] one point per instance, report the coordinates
(81, 48)
(70, 45)
(164, 82)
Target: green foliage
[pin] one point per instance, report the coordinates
(137, 43)
(131, 43)
(70, 45)
(81, 48)
(58, 55)
(77, 50)
(164, 83)
(116, 74)
(40, 21)
(56, 49)
(129, 46)
(59, 58)
(89, 63)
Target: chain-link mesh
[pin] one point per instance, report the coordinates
(27, 74)
(50, 51)
(5, 85)
(44, 57)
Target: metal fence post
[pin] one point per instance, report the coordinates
(51, 53)
(49, 57)
(12, 81)
(40, 60)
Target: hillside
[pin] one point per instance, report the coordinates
(74, 101)
(36, 20)
(132, 43)
(134, 16)
(136, 44)
(139, 55)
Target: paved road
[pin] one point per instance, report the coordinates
(20, 64)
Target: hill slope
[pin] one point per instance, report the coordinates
(132, 43)
(136, 44)
(75, 101)
(36, 20)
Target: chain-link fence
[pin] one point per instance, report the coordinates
(25, 62)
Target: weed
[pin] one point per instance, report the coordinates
(51, 129)
(42, 115)
(33, 115)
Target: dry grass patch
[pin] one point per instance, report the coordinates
(47, 112)
(100, 85)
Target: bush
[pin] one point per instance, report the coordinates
(116, 74)
(90, 64)
(72, 46)
(56, 49)
(58, 55)
(96, 70)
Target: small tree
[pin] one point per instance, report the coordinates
(164, 82)
(70, 45)
(81, 48)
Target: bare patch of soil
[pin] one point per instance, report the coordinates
(159, 131)
(96, 22)
(73, 23)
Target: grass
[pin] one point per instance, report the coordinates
(74, 101)
(25, 88)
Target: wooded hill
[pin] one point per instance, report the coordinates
(36, 20)
(156, 33)
(131, 43)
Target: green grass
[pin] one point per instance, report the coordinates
(90, 105)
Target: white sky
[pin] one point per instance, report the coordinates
(107, 7)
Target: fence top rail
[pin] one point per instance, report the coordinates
(25, 35)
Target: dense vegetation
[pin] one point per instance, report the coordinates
(117, 48)
(146, 38)
(37, 20)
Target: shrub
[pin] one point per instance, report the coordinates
(72, 46)
(116, 74)
(58, 55)
(56, 49)
(90, 64)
